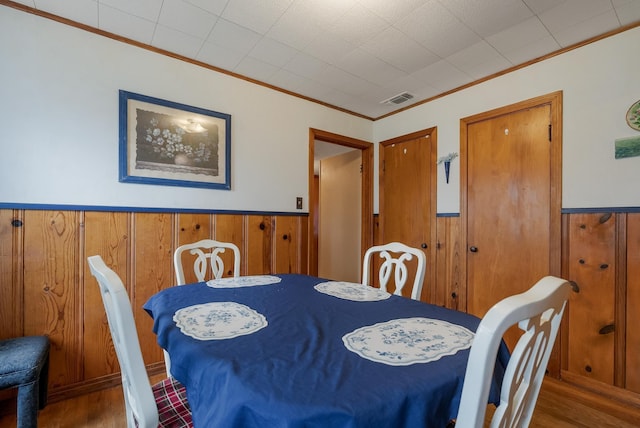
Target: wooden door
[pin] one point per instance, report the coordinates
(407, 196)
(512, 214)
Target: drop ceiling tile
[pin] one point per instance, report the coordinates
(355, 104)
(573, 12)
(473, 56)
(82, 11)
(520, 35)
(227, 33)
(392, 11)
(255, 69)
(628, 11)
(303, 22)
(539, 6)
(257, 16)
(131, 26)
(487, 67)
(306, 66)
(147, 9)
(362, 64)
(586, 29)
(488, 17)
(425, 92)
(410, 57)
(273, 52)
(376, 95)
(358, 25)
(287, 80)
(186, 18)
(343, 81)
(175, 41)
(405, 84)
(321, 13)
(328, 47)
(435, 28)
(212, 6)
(222, 56)
(534, 50)
(314, 90)
(442, 75)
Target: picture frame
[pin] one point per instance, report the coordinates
(172, 144)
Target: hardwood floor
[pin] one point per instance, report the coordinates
(105, 409)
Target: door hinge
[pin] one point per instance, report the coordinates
(361, 168)
(383, 165)
(549, 132)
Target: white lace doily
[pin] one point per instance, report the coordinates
(406, 341)
(218, 320)
(352, 291)
(243, 281)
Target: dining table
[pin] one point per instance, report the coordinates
(295, 350)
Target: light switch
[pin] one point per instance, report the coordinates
(299, 203)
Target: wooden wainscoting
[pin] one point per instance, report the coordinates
(601, 256)
(47, 288)
(598, 346)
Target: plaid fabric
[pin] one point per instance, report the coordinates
(173, 408)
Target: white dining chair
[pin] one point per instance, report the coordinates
(538, 313)
(394, 255)
(161, 405)
(207, 255)
(207, 258)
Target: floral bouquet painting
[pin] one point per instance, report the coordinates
(162, 139)
(171, 144)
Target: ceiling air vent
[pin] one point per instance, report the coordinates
(398, 99)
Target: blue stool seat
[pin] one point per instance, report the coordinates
(24, 364)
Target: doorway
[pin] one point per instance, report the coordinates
(366, 195)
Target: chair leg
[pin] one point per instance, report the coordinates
(27, 415)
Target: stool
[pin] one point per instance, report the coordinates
(24, 363)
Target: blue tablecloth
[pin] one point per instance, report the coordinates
(297, 372)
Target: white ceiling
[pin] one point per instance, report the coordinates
(353, 54)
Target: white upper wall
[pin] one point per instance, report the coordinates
(59, 123)
(600, 81)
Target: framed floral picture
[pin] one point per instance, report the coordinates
(172, 144)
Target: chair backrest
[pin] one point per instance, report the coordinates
(206, 250)
(396, 265)
(139, 400)
(538, 313)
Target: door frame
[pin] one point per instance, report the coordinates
(366, 148)
(554, 100)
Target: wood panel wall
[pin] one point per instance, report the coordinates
(599, 343)
(47, 287)
(601, 256)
